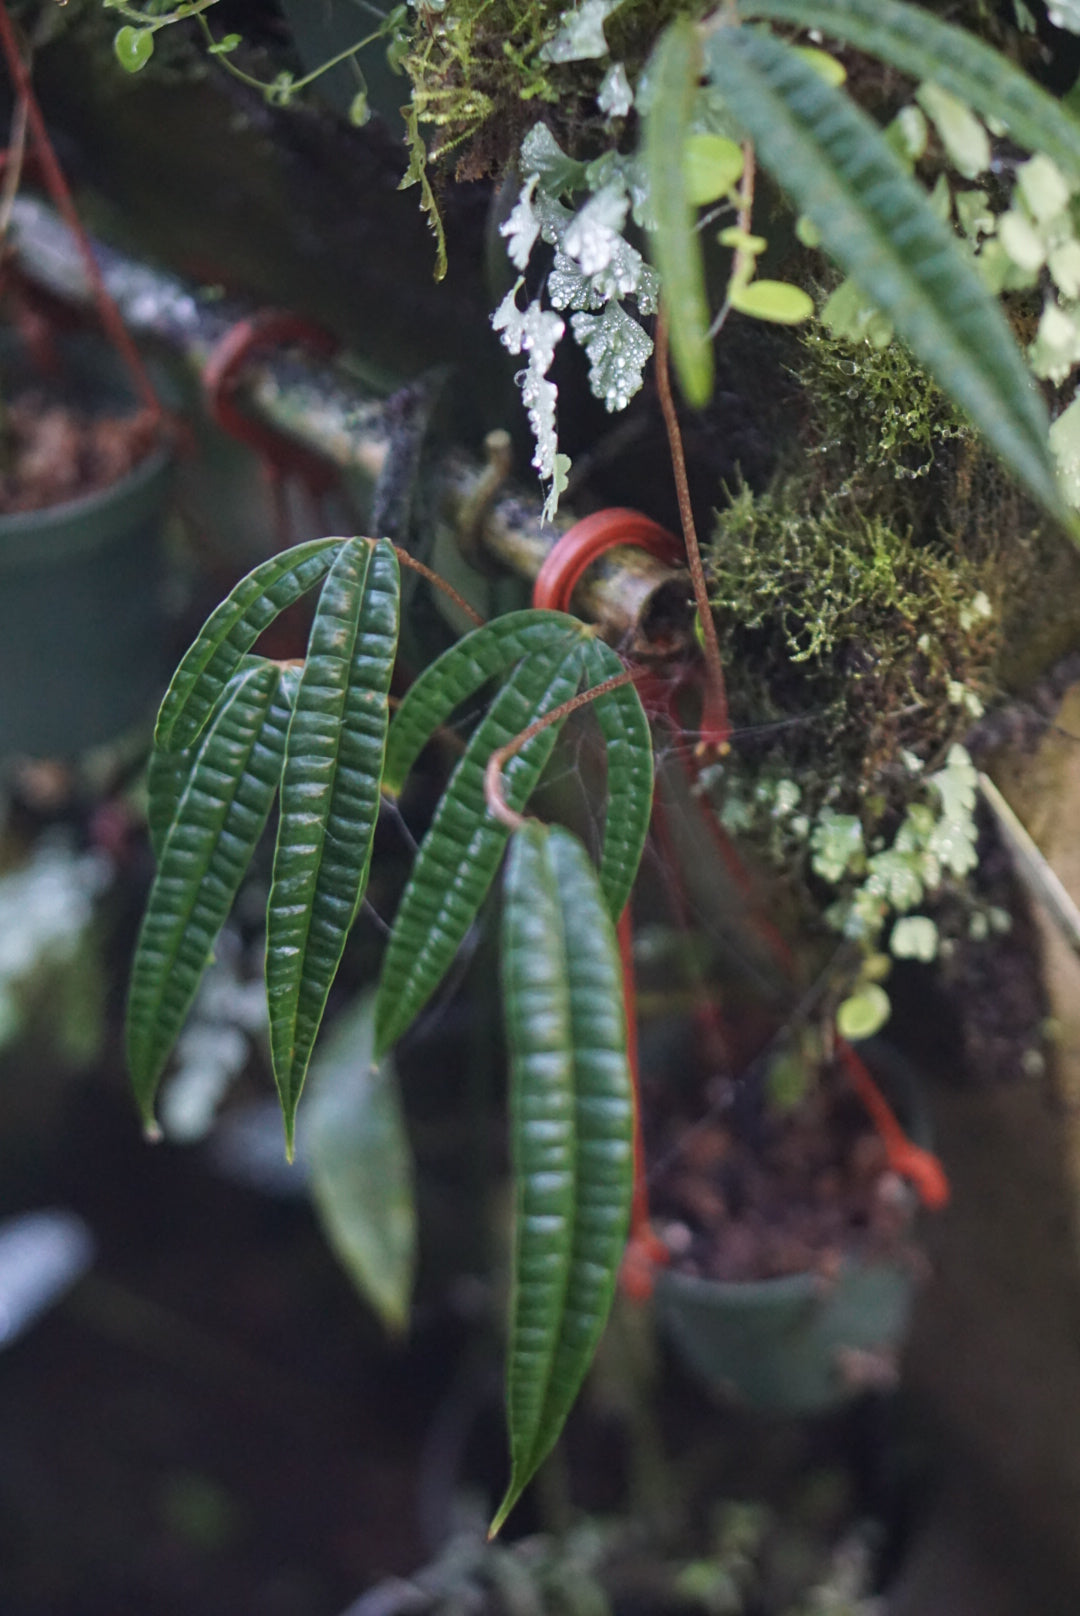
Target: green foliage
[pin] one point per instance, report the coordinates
(874, 409)
(329, 800)
(230, 632)
(219, 818)
(417, 174)
(572, 1120)
(675, 70)
(837, 601)
(134, 45)
(864, 1013)
(361, 1170)
(461, 851)
(458, 675)
(915, 41)
(878, 225)
(239, 728)
(823, 576)
(594, 270)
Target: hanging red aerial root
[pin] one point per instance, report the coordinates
(920, 1167)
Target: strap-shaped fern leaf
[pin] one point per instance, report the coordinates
(329, 800)
(219, 817)
(673, 71)
(915, 41)
(571, 1130)
(875, 220)
(487, 653)
(460, 853)
(230, 632)
(629, 756)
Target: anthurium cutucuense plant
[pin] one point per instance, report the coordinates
(236, 731)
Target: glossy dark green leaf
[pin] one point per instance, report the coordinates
(166, 776)
(219, 817)
(485, 654)
(329, 800)
(877, 223)
(354, 1139)
(915, 41)
(629, 756)
(167, 772)
(460, 853)
(674, 68)
(230, 632)
(571, 1131)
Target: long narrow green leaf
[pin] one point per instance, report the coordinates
(458, 674)
(877, 223)
(460, 853)
(230, 632)
(329, 800)
(674, 68)
(219, 818)
(571, 1131)
(167, 772)
(353, 1134)
(166, 776)
(629, 756)
(912, 39)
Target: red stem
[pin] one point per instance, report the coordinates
(61, 196)
(920, 1167)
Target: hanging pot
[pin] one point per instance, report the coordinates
(82, 649)
(794, 1345)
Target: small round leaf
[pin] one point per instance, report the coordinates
(775, 301)
(741, 240)
(914, 937)
(711, 166)
(832, 71)
(134, 48)
(864, 1013)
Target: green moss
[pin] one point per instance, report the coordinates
(874, 639)
(875, 410)
(479, 77)
(846, 589)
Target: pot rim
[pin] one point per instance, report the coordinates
(781, 1288)
(16, 523)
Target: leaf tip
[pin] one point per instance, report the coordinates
(385, 1032)
(152, 1133)
(513, 1493)
(1070, 520)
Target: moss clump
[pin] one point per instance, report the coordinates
(874, 640)
(479, 74)
(874, 411)
(888, 579)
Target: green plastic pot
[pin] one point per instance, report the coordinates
(776, 1346)
(82, 656)
(83, 647)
